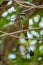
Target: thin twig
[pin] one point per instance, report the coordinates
(11, 34)
(26, 30)
(28, 9)
(28, 3)
(20, 37)
(38, 28)
(23, 30)
(21, 3)
(25, 4)
(26, 38)
(17, 37)
(32, 5)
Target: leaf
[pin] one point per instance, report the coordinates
(3, 22)
(26, 63)
(19, 61)
(1, 1)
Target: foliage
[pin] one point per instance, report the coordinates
(1, 1)
(23, 52)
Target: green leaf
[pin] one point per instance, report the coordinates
(26, 63)
(3, 22)
(1, 1)
(19, 61)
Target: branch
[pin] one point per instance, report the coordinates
(11, 34)
(5, 33)
(28, 5)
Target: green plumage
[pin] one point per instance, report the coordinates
(24, 21)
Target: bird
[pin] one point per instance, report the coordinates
(24, 21)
